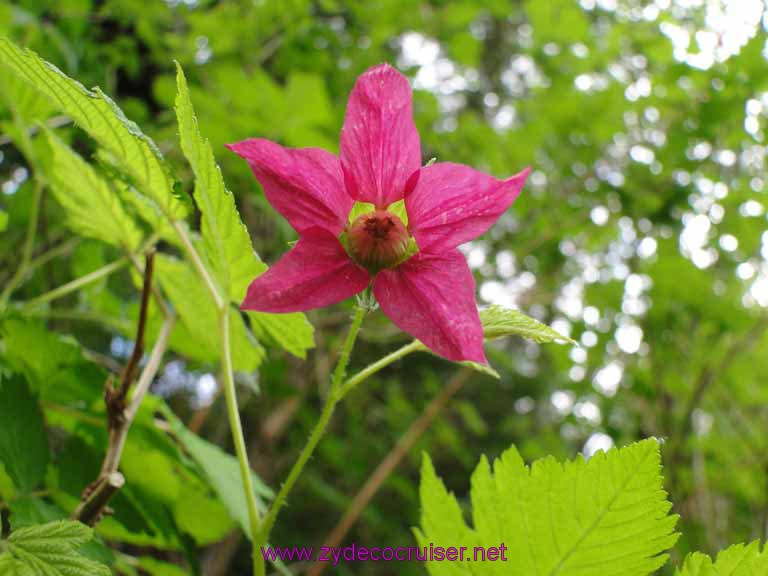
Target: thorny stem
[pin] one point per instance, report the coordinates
(390, 463)
(317, 431)
(371, 369)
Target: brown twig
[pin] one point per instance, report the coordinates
(389, 463)
(131, 368)
(121, 412)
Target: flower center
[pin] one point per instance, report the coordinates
(378, 239)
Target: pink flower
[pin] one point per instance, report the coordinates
(420, 279)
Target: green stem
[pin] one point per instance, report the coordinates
(76, 284)
(29, 243)
(317, 431)
(371, 369)
(55, 252)
(113, 322)
(238, 439)
(197, 262)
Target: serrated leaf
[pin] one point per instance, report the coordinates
(500, 322)
(225, 238)
(92, 205)
(198, 316)
(23, 442)
(52, 550)
(737, 560)
(607, 516)
(136, 154)
(226, 241)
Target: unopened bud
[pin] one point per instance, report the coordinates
(378, 239)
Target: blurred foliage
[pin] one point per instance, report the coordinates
(641, 234)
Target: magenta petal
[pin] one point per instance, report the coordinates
(317, 272)
(452, 204)
(432, 298)
(380, 145)
(304, 184)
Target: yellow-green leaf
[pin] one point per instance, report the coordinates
(92, 110)
(92, 205)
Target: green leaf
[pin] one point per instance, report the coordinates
(151, 470)
(53, 365)
(35, 351)
(226, 241)
(23, 442)
(52, 550)
(738, 560)
(157, 568)
(225, 238)
(292, 332)
(486, 369)
(139, 518)
(3, 220)
(9, 566)
(500, 322)
(222, 471)
(199, 513)
(199, 318)
(28, 106)
(29, 510)
(608, 515)
(93, 206)
(131, 150)
(7, 489)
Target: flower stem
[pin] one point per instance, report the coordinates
(239, 441)
(371, 369)
(317, 431)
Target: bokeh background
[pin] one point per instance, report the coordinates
(641, 234)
